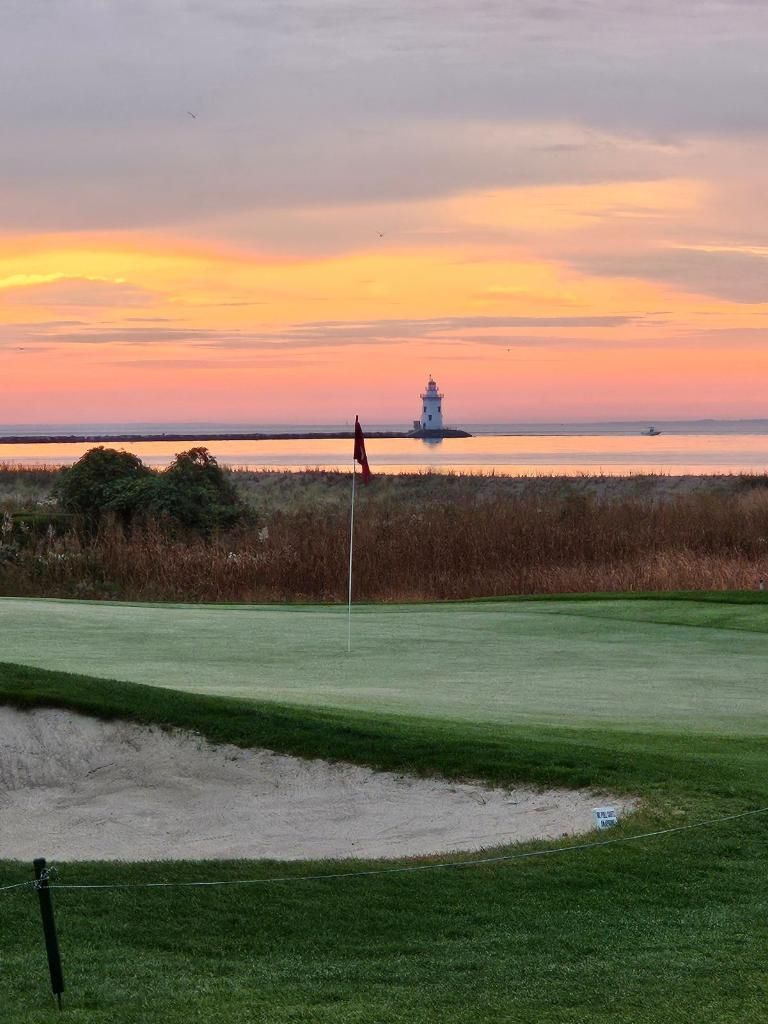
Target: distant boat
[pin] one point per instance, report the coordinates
(651, 432)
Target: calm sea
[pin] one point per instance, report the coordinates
(690, 447)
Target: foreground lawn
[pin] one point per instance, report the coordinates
(693, 665)
(668, 929)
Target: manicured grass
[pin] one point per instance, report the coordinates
(674, 932)
(664, 930)
(658, 664)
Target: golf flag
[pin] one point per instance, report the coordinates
(360, 455)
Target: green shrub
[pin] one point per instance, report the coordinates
(88, 487)
(193, 492)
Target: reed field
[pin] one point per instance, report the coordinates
(417, 537)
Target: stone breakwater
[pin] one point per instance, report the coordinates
(199, 438)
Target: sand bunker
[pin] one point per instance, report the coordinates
(75, 788)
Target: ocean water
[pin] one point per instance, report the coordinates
(619, 427)
(690, 447)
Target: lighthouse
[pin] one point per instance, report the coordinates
(431, 408)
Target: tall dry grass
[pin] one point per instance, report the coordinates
(26, 487)
(437, 549)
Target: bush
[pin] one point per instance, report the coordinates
(193, 492)
(89, 487)
(198, 495)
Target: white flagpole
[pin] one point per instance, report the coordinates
(351, 539)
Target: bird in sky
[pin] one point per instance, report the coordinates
(193, 116)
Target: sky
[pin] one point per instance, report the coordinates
(295, 211)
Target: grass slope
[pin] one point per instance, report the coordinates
(666, 930)
(680, 665)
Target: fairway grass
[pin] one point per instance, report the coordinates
(661, 664)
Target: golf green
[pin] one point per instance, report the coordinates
(656, 664)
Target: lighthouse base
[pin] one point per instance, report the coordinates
(442, 432)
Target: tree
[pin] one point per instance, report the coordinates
(89, 487)
(197, 493)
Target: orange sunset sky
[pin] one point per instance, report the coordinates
(293, 212)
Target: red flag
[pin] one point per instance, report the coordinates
(360, 455)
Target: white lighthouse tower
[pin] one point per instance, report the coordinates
(431, 408)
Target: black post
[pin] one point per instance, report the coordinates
(49, 928)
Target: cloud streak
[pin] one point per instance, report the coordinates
(76, 292)
(312, 334)
(732, 275)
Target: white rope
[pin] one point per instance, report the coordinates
(17, 885)
(34, 883)
(404, 869)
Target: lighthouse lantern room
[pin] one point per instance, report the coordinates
(431, 407)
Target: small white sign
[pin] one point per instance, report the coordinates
(605, 817)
